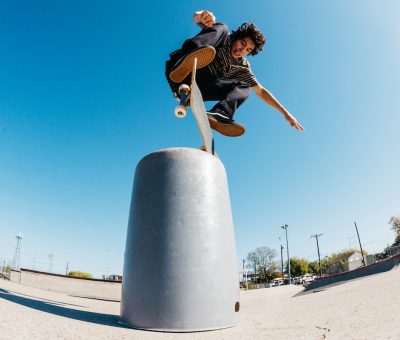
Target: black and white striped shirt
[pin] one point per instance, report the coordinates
(225, 66)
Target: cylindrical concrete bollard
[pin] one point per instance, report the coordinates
(180, 271)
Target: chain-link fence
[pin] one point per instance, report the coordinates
(343, 266)
(392, 251)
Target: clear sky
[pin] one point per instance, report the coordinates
(83, 98)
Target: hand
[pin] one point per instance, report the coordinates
(293, 121)
(204, 18)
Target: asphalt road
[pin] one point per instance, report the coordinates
(366, 308)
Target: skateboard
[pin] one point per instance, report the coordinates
(205, 55)
(191, 95)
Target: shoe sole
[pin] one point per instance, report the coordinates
(204, 55)
(227, 129)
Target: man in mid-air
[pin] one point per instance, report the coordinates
(224, 74)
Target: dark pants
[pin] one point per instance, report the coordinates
(230, 93)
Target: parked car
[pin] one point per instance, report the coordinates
(276, 282)
(296, 280)
(272, 284)
(307, 278)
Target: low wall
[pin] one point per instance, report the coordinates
(90, 288)
(15, 276)
(375, 268)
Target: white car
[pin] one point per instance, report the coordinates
(296, 280)
(276, 282)
(307, 278)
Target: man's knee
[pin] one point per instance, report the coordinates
(243, 89)
(212, 35)
(219, 28)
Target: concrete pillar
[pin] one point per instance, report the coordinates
(180, 271)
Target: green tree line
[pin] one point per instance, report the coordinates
(264, 262)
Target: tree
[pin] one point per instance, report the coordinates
(80, 274)
(313, 267)
(263, 259)
(298, 266)
(395, 223)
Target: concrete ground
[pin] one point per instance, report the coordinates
(366, 308)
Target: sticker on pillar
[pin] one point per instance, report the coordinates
(237, 306)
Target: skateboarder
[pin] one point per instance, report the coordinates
(228, 77)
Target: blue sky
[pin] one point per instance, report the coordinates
(83, 98)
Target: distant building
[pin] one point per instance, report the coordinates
(369, 259)
(355, 260)
(252, 278)
(112, 278)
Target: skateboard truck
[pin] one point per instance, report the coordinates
(184, 92)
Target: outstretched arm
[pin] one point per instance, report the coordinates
(204, 18)
(268, 98)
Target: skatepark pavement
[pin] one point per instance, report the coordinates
(365, 308)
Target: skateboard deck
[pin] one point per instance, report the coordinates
(200, 113)
(199, 110)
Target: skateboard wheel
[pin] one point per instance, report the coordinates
(180, 111)
(184, 89)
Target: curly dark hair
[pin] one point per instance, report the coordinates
(248, 29)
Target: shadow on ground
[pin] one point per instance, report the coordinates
(54, 308)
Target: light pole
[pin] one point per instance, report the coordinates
(287, 248)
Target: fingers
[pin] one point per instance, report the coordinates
(204, 18)
(298, 127)
(293, 122)
(207, 18)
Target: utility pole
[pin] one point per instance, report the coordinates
(17, 253)
(66, 270)
(288, 257)
(319, 257)
(255, 273)
(243, 269)
(51, 265)
(281, 257)
(358, 235)
(351, 238)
